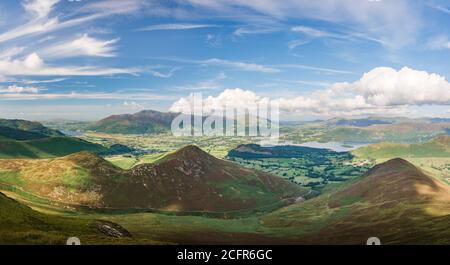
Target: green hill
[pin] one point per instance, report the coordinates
(395, 202)
(186, 180)
(47, 147)
(144, 122)
(437, 147)
(22, 126)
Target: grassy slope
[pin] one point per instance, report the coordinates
(438, 147)
(395, 202)
(29, 126)
(20, 224)
(46, 148)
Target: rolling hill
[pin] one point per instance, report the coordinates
(395, 201)
(18, 127)
(144, 122)
(437, 147)
(186, 180)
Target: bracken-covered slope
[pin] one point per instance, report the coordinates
(395, 202)
(144, 122)
(186, 180)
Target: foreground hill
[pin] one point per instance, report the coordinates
(20, 224)
(395, 201)
(144, 122)
(187, 180)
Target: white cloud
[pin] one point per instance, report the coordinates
(252, 67)
(84, 95)
(312, 32)
(33, 65)
(384, 86)
(133, 105)
(380, 91)
(295, 43)
(245, 66)
(317, 33)
(19, 89)
(175, 26)
(251, 29)
(30, 82)
(234, 98)
(156, 73)
(11, 52)
(39, 8)
(314, 68)
(82, 46)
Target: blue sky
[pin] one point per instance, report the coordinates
(87, 59)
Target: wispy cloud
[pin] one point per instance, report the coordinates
(45, 81)
(295, 43)
(33, 65)
(440, 8)
(252, 30)
(350, 35)
(85, 95)
(241, 65)
(158, 73)
(314, 68)
(246, 66)
(210, 84)
(439, 43)
(176, 26)
(81, 46)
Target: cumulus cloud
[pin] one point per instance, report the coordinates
(233, 98)
(379, 91)
(384, 86)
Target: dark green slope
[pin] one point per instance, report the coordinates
(47, 147)
(34, 128)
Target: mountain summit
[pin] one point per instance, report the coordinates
(143, 122)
